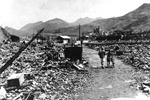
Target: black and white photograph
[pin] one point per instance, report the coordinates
(74, 49)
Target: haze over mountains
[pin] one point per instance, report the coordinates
(137, 20)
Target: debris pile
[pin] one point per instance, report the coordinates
(138, 56)
(47, 75)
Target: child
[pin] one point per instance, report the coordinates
(110, 58)
(101, 54)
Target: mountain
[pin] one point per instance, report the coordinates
(140, 18)
(141, 11)
(54, 24)
(32, 26)
(15, 32)
(82, 21)
(137, 20)
(48, 25)
(74, 30)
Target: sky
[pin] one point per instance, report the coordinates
(17, 13)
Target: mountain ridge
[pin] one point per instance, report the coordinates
(136, 20)
(142, 12)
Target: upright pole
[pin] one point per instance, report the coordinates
(80, 34)
(81, 38)
(79, 31)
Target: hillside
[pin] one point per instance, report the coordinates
(54, 24)
(82, 21)
(32, 26)
(139, 18)
(48, 25)
(58, 25)
(16, 32)
(74, 30)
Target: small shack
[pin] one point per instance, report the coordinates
(63, 39)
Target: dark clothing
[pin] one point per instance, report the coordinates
(101, 54)
(110, 58)
(132, 58)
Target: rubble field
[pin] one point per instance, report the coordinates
(47, 75)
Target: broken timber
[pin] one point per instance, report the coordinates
(9, 62)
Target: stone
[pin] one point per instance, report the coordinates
(15, 80)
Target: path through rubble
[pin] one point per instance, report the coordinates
(108, 83)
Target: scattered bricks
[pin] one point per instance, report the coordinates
(15, 80)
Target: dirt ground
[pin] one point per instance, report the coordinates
(108, 83)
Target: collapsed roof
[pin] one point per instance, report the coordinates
(4, 35)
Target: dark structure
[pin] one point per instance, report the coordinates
(6, 36)
(14, 38)
(73, 53)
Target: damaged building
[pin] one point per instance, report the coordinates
(6, 36)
